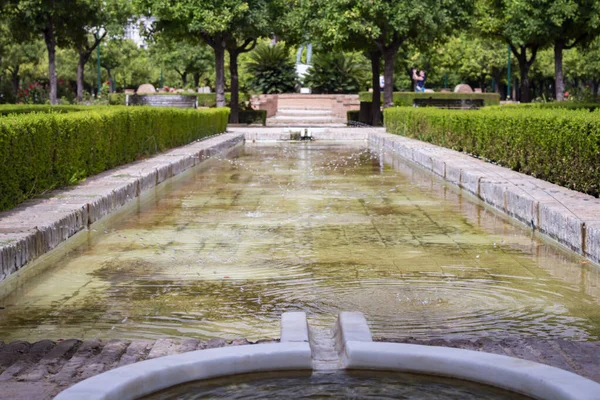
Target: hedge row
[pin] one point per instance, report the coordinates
(353, 115)
(405, 99)
(204, 99)
(564, 105)
(41, 152)
(8, 109)
(558, 146)
(253, 117)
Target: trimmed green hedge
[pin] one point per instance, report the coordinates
(353, 115)
(41, 152)
(405, 99)
(253, 117)
(8, 109)
(564, 105)
(558, 146)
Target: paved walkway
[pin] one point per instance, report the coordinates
(41, 370)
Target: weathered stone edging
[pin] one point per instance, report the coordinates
(38, 226)
(569, 217)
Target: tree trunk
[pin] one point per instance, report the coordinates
(559, 45)
(234, 104)
(524, 66)
(80, 76)
(388, 74)
(595, 83)
(376, 101)
(50, 40)
(196, 77)
(525, 84)
(220, 73)
(15, 80)
(184, 79)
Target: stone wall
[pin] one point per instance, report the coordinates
(339, 104)
(266, 102)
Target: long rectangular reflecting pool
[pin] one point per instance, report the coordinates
(226, 247)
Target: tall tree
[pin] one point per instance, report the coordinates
(572, 22)
(524, 25)
(385, 25)
(185, 57)
(52, 19)
(98, 18)
(222, 24)
(14, 53)
(17, 54)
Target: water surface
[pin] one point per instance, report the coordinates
(348, 385)
(224, 249)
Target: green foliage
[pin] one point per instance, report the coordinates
(337, 73)
(117, 99)
(563, 105)
(405, 99)
(353, 115)
(189, 59)
(253, 117)
(127, 64)
(273, 70)
(43, 151)
(558, 146)
(28, 109)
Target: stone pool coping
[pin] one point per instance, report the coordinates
(571, 218)
(292, 353)
(37, 226)
(356, 350)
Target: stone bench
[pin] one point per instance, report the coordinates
(178, 101)
(461, 104)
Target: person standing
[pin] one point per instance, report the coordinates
(419, 80)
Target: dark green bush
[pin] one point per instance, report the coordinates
(335, 73)
(41, 152)
(272, 70)
(405, 99)
(253, 117)
(558, 146)
(353, 115)
(116, 99)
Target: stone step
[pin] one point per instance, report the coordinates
(299, 125)
(303, 111)
(284, 121)
(303, 118)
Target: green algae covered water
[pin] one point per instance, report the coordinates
(347, 385)
(222, 250)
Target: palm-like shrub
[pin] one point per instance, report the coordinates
(336, 73)
(272, 70)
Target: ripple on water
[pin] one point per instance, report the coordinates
(316, 228)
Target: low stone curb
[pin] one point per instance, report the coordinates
(38, 226)
(569, 217)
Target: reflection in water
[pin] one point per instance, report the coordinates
(223, 250)
(351, 385)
